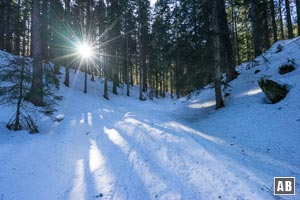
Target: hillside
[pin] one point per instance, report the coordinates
(162, 148)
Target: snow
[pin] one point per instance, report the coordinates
(161, 149)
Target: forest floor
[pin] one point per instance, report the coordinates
(159, 149)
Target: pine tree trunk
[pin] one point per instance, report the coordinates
(216, 48)
(231, 74)
(163, 88)
(298, 15)
(18, 29)
(44, 29)
(141, 81)
(274, 26)
(67, 76)
(144, 66)
(35, 95)
(87, 39)
(145, 85)
(67, 67)
(255, 28)
(249, 46)
(1, 26)
(131, 76)
(236, 38)
(115, 75)
(8, 26)
(234, 33)
(18, 112)
(105, 94)
(85, 79)
(267, 43)
(24, 40)
(171, 82)
(127, 69)
(156, 82)
(281, 20)
(177, 77)
(141, 56)
(288, 19)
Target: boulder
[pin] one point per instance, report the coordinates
(284, 69)
(274, 91)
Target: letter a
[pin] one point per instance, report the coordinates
(280, 187)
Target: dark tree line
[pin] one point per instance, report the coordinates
(172, 48)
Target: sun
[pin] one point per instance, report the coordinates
(84, 50)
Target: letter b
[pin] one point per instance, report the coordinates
(288, 186)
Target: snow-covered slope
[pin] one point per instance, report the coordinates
(160, 149)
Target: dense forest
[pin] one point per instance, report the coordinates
(172, 46)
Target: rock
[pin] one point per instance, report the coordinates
(59, 118)
(257, 71)
(279, 48)
(284, 69)
(99, 195)
(274, 91)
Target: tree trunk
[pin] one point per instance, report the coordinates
(44, 29)
(67, 76)
(171, 81)
(2, 26)
(255, 28)
(131, 75)
(8, 28)
(236, 38)
(156, 82)
(67, 66)
(298, 15)
(231, 74)
(115, 75)
(274, 26)
(163, 88)
(85, 79)
(87, 39)
(267, 42)
(145, 85)
(236, 52)
(141, 56)
(141, 81)
(288, 19)
(35, 95)
(105, 94)
(248, 46)
(18, 29)
(24, 43)
(18, 112)
(281, 20)
(216, 48)
(127, 69)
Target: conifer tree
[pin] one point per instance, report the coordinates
(216, 48)
(36, 92)
(298, 15)
(288, 19)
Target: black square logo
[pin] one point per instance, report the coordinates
(284, 185)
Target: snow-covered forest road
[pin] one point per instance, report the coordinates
(124, 150)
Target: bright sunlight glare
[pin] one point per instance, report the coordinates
(84, 50)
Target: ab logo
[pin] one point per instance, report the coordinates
(284, 186)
